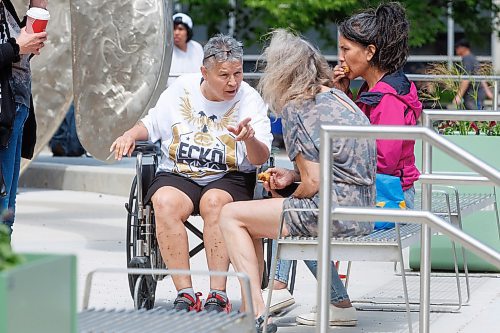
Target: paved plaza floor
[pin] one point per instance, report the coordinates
(91, 225)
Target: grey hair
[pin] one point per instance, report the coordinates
(387, 28)
(220, 43)
(294, 71)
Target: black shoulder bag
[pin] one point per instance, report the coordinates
(7, 103)
(7, 112)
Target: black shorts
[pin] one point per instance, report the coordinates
(239, 185)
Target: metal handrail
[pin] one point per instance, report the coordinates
(433, 77)
(463, 115)
(413, 77)
(427, 77)
(451, 179)
(411, 58)
(425, 134)
(429, 138)
(455, 177)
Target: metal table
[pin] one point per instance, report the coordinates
(92, 320)
(161, 321)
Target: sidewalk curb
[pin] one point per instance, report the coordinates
(114, 181)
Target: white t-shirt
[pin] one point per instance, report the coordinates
(186, 62)
(194, 140)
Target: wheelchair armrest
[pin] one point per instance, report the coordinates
(146, 147)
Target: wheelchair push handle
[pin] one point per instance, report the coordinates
(147, 147)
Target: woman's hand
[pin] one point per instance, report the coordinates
(123, 145)
(39, 3)
(31, 43)
(280, 178)
(340, 79)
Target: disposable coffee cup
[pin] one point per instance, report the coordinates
(37, 19)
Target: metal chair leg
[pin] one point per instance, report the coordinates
(458, 223)
(292, 278)
(495, 206)
(348, 274)
(272, 276)
(403, 276)
(454, 249)
(457, 276)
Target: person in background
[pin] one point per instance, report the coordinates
(65, 141)
(297, 86)
(214, 130)
(472, 94)
(187, 54)
(17, 116)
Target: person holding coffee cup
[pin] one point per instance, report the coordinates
(17, 117)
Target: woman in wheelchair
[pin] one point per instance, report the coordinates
(297, 86)
(214, 130)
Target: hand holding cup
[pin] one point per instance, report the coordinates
(37, 19)
(31, 43)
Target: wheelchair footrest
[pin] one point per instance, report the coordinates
(139, 262)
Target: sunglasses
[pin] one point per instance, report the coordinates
(236, 52)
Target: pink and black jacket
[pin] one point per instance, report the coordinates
(393, 101)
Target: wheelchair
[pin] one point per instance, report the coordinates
(142, 247)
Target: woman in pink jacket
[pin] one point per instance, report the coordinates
(374, 45)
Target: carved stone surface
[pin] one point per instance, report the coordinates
(121, 54)
(51, 72)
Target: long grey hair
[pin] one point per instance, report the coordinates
(294, 70)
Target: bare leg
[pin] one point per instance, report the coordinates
(259, 253)
(241, 223)
(210, 206)
(172, 208)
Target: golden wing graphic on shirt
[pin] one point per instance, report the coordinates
(187, 110)
(227, 119)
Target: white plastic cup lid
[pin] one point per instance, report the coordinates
(38, 13)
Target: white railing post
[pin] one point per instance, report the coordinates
(325, 191)
(425, 238)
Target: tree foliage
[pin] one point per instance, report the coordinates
(254, 18)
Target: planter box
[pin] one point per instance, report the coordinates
(39, 295)
(480, 225)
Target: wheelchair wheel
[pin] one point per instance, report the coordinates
(132, 233)
(144, 292)
(131, 208)
(142, 287)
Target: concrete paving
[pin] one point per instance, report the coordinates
(90, 223)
